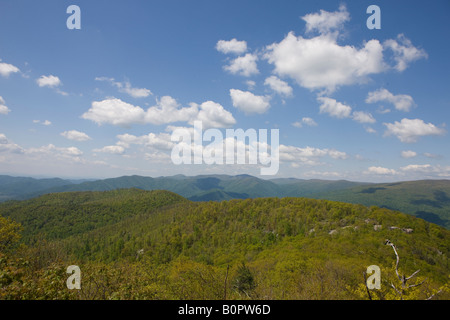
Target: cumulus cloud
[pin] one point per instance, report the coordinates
(51, 81)
(421, 171)
(44, 123)
(279, 86)
(410, 130)
(321, 63)
(248, 102)
(114, 111)
(6, 69)
(111, 149)
(213, 115)
(127, 88)
(408, 154)
(161, 141)
(308, 155)
(401, 102)
(250, 84)
(404, 52)
(432, 155)
(48, 81)
(244, 66)
(167, 110)
(309, 121)
(3, 108)
(417, 167)
(51, 149)
(363, 117)
(380, 171)
(325, 21)
(305, 120)
(231, 46)
(334, 108)
(75, 135)
(370, 130)
(7, 146)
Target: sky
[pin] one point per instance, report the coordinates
(349, 102)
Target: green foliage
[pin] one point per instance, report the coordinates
(244, 281)
(135, 244)
(426, 199)
(57, 216)
(9, 233)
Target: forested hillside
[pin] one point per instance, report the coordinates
(134, 244)
(426, 199)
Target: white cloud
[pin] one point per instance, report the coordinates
(244, 66)
(370, 130)
(382, 110)
(322, 174)
(334, 108)
(432, 155)
(136, 92)
(56, 151)
(425, 171)
(6, 69)
(6, 146)
(161, 141)
(158, 157)
(408, 154)
(326, 21)
(404, 51)
(309, 121)
(127, 88)
(305, 120)
(75, 135)
(3, 139)
(363, 117)
(380, 170)
(410, 130)
(44, 123)
(231, 46)
(279, 86)
(111, 149)
(248, 102)
(167, 110)
(321, 63)
(417, 167)
(251, 84)
(3, 108)
(114, 111)
(401, 102)
(48, 81)
(213, 115)
(308, 155)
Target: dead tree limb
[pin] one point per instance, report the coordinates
(403, 279)
(367, 288)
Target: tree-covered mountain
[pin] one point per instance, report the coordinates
(18, 187)
(237, 187)
(427, 199)
(58, 215)
(135, 244)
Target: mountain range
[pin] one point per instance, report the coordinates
(426, 199)
(138, 244)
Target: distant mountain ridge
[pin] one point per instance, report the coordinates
(426, 199)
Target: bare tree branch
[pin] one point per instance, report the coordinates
(367, 288)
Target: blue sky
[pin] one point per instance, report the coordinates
(349, 102)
